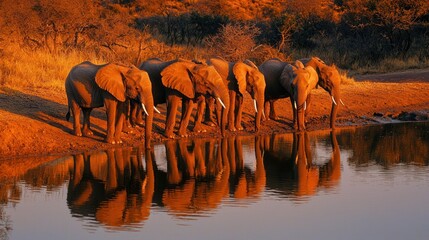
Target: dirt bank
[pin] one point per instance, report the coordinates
(32, 121)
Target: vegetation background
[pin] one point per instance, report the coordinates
(40, 40)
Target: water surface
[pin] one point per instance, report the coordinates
(363, 183)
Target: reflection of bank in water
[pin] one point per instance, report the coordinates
(388, 145)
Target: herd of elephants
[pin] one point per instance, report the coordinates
(215, 85)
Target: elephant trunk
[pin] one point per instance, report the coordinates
(259, 98)
(224, 97)
(336, 100)
(147, 103)
(301, 105)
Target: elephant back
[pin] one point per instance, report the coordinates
(221, 66)
(272, 70)
(288, 75)
(154, 67)
(81, 87)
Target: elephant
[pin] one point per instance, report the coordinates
(330, 80)
(239, 77)
(91, 86)
(293, 81)
(186, 81)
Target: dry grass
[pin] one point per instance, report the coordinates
(387, 65)
(23, 68)
(38, 69)
(345, 78)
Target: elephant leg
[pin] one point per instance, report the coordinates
(132, 116)
(201, 105)
(127, 118)
(188, 105)
(273, 114)
(172, 104)
(111, 119)
(120, 120)
(210, 107)
(75, 108)
(86, 130)
(139, 115)
(231, 112)
(239, 102)
(136, 114)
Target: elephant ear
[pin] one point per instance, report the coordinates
(110, 78)
(329, 76)
(240, 71)
(143, 80)
(299, 64)
(313, 77)
(250, 63)
(178, 76)
(287, 77)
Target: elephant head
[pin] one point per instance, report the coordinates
(124, 82)
(118, 80)
(330, 80)
(147, 104)
(192, 79)
(250, 79)
(299, 81)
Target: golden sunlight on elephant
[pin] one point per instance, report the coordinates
(91, 86)
(184, 81)
(289, 80)
(330, 80)
(239, 77)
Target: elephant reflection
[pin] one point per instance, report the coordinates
(244, 183)
(290, 165)
(196, 179)
(112, 187)
(201, 173)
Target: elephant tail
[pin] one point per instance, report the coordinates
(68, 114)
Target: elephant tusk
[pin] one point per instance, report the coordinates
(333, 100)
(254, 105)
(144, 109)
(294, 104)
(341, 101)
(221, 103)
(263, 114)
(156, 109)
(305, 105)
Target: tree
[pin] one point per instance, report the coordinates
(385, 25)
(233, 42)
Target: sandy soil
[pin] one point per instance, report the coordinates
(32, 121)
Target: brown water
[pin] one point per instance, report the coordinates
(364, 183)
